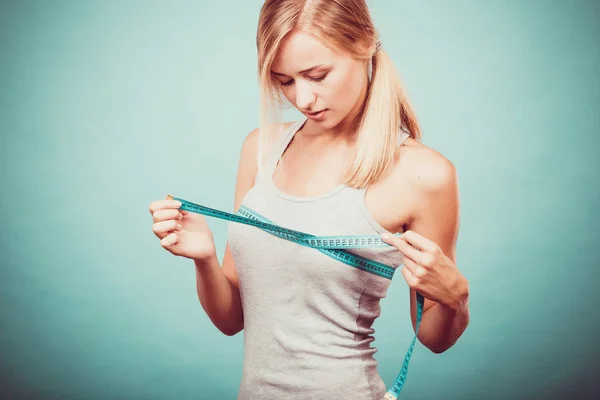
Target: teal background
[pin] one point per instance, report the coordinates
(106, 106)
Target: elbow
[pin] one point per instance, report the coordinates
(438, 350)
(232, 331)
(436, 345)
(441, 346)
(440, 342)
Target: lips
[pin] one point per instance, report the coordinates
(317, 116)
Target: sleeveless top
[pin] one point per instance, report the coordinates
(308, 317)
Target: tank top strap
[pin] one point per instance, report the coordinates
(402, 136)
(266, 172)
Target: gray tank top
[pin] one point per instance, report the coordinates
(308, 317)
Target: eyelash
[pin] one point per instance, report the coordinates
(319, 79)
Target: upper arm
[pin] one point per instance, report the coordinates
(437, 214)
(247, 169)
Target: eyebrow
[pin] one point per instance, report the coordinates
(301, 72)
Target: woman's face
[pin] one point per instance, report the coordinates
(316, 79)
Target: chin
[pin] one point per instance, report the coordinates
(336, 121)
(327, 124)
(331, 121)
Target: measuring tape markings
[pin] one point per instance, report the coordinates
(330, 245)
(354, 260)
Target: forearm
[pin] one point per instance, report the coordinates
(442, 325)
(219, 297)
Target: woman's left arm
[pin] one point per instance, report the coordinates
(429, 248)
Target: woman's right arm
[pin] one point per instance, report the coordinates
(218, 287)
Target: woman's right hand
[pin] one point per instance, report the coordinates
(183, 233)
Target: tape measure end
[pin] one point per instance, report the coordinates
(169, 197)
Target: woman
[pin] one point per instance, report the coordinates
(307, 317)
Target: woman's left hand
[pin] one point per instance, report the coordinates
(428, 270)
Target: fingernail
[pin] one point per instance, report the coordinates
(385, 236)
(176, 203)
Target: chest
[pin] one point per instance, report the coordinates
(390, 201)
(296, 275)
(312, 173)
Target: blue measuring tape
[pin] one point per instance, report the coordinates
(332, 246)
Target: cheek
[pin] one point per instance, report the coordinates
(289, 94)
(342, 93)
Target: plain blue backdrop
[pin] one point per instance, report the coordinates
(106, 106)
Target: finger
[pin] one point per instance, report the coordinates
(419, 241)
(404, 247)
(417, 270)
(411, 265)
(177, 204)
(169, 240)
(409, 277)
(165, 214)
(163, 204)
(162, 229)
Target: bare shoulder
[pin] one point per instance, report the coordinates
(423, 167)
(419, 179)
(249, 152)
(251, 140)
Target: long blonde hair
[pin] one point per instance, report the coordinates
(345, 25)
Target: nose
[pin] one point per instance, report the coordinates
(305, 96)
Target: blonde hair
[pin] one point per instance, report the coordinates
(344, 25)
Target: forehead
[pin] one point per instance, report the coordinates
(301, 51)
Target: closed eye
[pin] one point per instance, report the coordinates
(317, 79)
